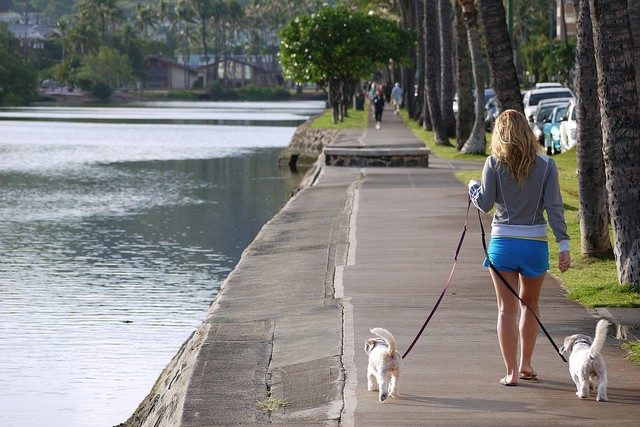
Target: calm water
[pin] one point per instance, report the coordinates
(117, 227)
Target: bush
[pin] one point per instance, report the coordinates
(254, 93)
(101, 90)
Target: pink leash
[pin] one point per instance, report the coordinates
(446, 285)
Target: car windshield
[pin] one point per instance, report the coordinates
(559, 113)
(544, 112)
(537, 97)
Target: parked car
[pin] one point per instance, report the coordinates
(568, 127)
(490, 114)
(543, 113)
(543, 85)
(533, 96)
(488, 93)
(552, 129)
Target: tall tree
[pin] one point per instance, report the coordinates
(594, 217)
(634, 17)
(337, 47)
(447, 86)
(202, 9)
(465, 117)
(476, 143)
(432, 70)
(621, 131)
(500, 56)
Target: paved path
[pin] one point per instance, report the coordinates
(372, 247)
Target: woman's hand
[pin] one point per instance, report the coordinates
(564, 261)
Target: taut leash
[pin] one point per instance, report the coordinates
(484, 246)
(446, 285)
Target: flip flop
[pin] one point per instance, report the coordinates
(504, 382)
(528, 376)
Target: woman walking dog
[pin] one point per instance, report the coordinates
(520, 183)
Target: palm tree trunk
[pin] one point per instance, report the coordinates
(476, 143)
(621, 131)
(594, 217)
(447, 88)
(634, 17)
(503, 72)
(432, 74)
(464, 120)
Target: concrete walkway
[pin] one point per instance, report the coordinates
(369, 247)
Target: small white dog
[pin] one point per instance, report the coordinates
(586, 363)
(385, 362)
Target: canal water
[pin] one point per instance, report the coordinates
(117, 228)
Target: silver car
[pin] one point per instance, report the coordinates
(543, 114)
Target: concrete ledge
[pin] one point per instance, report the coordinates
(377, 156)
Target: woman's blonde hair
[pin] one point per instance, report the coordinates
(513, 144)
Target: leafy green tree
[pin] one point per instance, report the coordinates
(109, 66)
(337, 47)
(17, 78)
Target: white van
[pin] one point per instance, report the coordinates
(533, 96)
(544, 85)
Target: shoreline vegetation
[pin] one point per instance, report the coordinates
(591, 282)
(247, 93)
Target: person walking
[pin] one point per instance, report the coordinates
(378, 107)
(396, 98)
(519, 183)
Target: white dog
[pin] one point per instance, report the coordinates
(385, 362)
(586, 364)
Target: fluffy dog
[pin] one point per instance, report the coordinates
(385, 362)
(586, 363)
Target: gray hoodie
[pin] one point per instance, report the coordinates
(519, 210)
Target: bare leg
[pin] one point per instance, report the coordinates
(530, 293)
(507, 330)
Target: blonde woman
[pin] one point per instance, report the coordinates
(520, 183)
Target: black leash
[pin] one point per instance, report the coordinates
(446, 286)
(484, 246)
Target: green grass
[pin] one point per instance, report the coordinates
(356, 119)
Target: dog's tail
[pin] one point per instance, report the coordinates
(387, 337)
(601, 335)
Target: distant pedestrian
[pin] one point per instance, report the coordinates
(378, 107)
(396, 98)
(372, 93)
(520, 184)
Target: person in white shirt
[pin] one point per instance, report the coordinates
(519, 183)
(396, 98)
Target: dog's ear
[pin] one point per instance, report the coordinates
(370, 344)
(567, 347)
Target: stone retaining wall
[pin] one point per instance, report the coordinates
(306, 145)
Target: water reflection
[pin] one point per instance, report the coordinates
(113, 240)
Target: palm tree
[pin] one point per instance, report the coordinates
(634, 17)
(465, 119)
(594, 218)
(202, 9)
(146, 18)
(621, 131)
(500, 56)
(432, 58)
(447, 87)
(476, 142)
